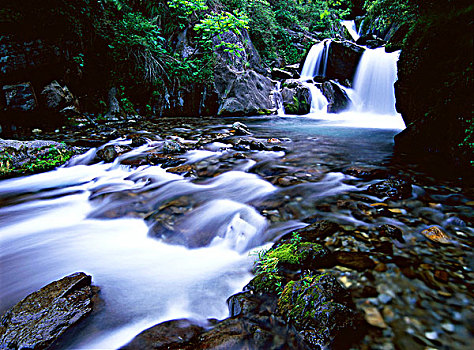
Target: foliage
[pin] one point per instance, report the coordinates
(382, 13)
(268, 277)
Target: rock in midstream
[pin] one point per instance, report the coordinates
(42, 317)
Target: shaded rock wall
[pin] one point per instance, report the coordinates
(435, 84)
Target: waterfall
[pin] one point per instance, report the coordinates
(278, 100)
(373, 82)
(316, 61)
(319, 102)
(351, 28)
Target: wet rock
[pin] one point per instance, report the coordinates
(278, 73)
(365, 173)
(343, 58)
(338, 100)
(371, 41)
(240, 129)
(59, 99)
(243, 303)
(319, 230)
(354, 260)
(436, 234)
(321, 310)
(296, 98)
(373, 317)
(392, 232)
(138, 140)
(182, 169)
(164, 335)
(42, 317)
(394, 188)
(108, 153)
(173, 147)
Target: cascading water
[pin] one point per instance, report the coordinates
(351, 28)
(278, 100)
(373, 82)
(316, 61)
(319, 102)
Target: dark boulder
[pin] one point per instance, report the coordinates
(59, 99)
(371, 41)
(278, 73)
(296, 98)
(109, 152)
(391, 231)
(338, 100)
(42, 317)
(354, 260)
(173, 333)
(322, 311)
(343, 58)
(394, 189)
(318, 230)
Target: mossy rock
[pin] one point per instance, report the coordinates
(321, 310)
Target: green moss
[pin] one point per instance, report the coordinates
(47, 158)
(293, 108)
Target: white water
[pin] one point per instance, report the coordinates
(49, 229)
(351, 28)
(316, 61)
(374, 81)
(372, 98)
(319, 102)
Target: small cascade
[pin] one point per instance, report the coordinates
(319, 102)
(351, 28)
(316, 61)
(374, 80)
(278, 100)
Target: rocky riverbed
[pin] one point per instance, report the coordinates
(397, 240)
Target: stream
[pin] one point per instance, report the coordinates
(163, 245)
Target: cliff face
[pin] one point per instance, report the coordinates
(435, 85)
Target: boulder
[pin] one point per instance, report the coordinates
(394, 189)
(319, 230)
(343, 58)
(59, 99)
(42, 317)
(293, 69)
(338, 100)
(322, 311)
(163, 335)
(278, 73)
(371, 41)
(20, 98)
(296, 98)
(249, 94)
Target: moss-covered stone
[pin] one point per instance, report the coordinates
(321, 309)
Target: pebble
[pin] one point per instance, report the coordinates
(435, 234)
(431, 335)
(448, 327)
(373, 317)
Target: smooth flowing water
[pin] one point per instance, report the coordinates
(351, 28)
(97, 218)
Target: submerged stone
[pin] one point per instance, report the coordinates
(42, 317)
(394, 189)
